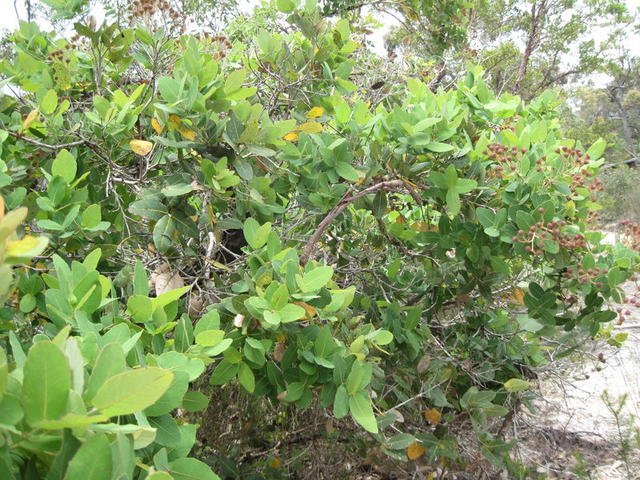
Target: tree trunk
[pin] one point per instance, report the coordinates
(626, 128)
(538, 10)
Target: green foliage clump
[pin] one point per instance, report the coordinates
(380, 261)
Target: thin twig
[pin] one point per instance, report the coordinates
(46, 145)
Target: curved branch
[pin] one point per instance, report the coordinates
(388, 186)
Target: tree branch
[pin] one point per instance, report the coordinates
(388, 186)
(46, 145)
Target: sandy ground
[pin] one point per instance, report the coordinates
(574, 417)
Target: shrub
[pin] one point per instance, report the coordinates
(403, 261)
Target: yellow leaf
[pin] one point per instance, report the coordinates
(155, 124)
(310, 127)
(433, 416)
(517, 295)
(420, 226)
(141, 147)
(33, 114)
(292, 136)
(315, 112)
(275, 463)
(311, 312)
(401, 220)
(175, 119)
(187, 133)
(281, 337)
(218, 265)
(28, 246)
(415, 450)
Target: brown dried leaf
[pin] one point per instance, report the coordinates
(194, 307)
(517, 295)
(415, 450)
(433, 416)
(168, 281)
(238, 320)
(278, 351)
(423, 364)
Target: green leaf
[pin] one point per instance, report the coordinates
(169, 297)
(140, 308)
(49, 102)
(295, 391)
(453, 202)
(132, 391)
(169, 89)
(209, 338)
(315, 279)
(290, 313)
(177, 189)
(91, 216)
(464, 185)
(159, 476)
(4, 372)
(516, 385)
(286, 6)
(167, 431)
(382, 337)
(246, 377)
(224, 372)
(72, 420)
(596, 150)
(235, 80)
(46, 385)
(486, 217)
(346, 171)
(256, 234)
(111, 361)
(400, 441)
(64, 165)
(195, 401)
(451, 176)
(92, 461)
(341, 402)
(60, 464)
(27, 303)
(362, 411)
(425, 123)
(359, 377)
(191, 469)
(280, 297)
(439, 147)
(163, 233)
